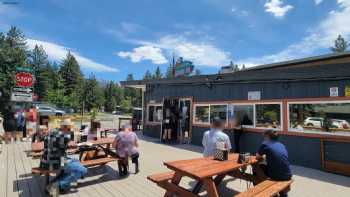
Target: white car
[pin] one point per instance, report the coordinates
(318, 122)
(314, 122)
(49, 111)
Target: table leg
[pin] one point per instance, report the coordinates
(197, 187)
(211, 187)
(218, 179)
(175, 180)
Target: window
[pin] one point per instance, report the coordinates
(155, 113)
(331, 117)
(201, 114)
(244, 114)
(218, 111)
(268, 116)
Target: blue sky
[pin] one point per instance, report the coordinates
(112, 38)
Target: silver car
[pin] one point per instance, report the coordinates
(50, 111)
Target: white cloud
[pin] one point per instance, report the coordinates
(320, 37)
(277, 8)
(59, 52)
(317, 2)
(202, 53)
(146, 52)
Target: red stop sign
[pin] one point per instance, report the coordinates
(24, 79)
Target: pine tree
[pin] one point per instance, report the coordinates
(157, 74)
(130, 77)
(170, 72)
(340, 45)
(147, 75)
(12, 53)
(92, 94)
(42, 71)
(110, 94)
(71, 75)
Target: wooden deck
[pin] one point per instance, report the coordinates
(104, 181)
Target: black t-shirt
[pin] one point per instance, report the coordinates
(55, 146)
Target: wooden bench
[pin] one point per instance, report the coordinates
(88, 163)
(97, 162)
(161, 177)
(267, 188)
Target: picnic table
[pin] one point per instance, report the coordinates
(207, 172)
(94, 149)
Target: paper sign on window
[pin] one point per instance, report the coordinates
(333, 92)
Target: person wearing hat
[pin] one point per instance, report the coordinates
(213, 136)
(56, 143)
(40, 134)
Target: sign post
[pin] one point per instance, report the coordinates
(23, 91)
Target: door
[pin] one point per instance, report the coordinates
(184, 131)
(176, 125)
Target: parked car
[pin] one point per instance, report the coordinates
(340, 124)
(49, 111)
(314, 122)
(319, 122)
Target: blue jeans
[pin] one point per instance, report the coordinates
(73, 171)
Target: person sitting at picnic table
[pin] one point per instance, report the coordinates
(40, 134)
(275, 153)
(213, 136)
(55, 158)
(126, 143)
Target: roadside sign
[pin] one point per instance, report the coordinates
(20, 89)
(254, 95)
(24, 79)
(347, 91)
(21, 97)
(333, 92)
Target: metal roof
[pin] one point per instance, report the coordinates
(269, 72)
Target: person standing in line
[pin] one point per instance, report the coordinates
(2, 130)
(9, 124)
(213, 136)
(32, 118)
(20, 124)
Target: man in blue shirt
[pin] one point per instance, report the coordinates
(276, 156)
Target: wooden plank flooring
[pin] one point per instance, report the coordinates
(16, 179)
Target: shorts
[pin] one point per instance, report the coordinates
(31, 126)
(20, 128)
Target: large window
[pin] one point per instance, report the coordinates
(218, 111)
(268, 116)
(201, 114)
(155, 113)
(331, 117)
(244, 115)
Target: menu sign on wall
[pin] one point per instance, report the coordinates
(254, 95)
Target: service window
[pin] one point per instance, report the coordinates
(155, 113)
(201, 114)
(331, 117)
(218, 111)
(244, 115)
(268, 116)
